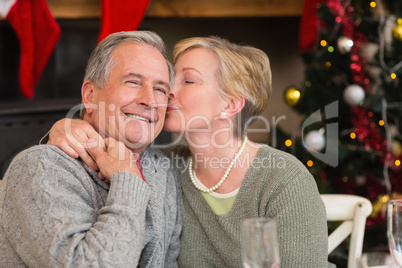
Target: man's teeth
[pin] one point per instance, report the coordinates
(138, 117)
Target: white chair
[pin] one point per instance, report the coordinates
(352, 211)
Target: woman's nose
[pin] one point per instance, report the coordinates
(173, 91)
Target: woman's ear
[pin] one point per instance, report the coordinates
(87, 92)
(234, 107)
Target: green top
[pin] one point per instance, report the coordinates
(219, 203)
(276, 185)
(219, 206)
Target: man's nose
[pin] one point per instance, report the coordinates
(146, 96)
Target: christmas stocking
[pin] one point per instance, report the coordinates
(308, 32)
(121, 15)
(37, 32)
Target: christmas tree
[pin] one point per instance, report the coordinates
(353, 56)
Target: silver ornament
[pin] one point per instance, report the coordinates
(345, 44)
(354, 94)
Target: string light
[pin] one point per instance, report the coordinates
(328, 64)
(309, 163)
(331, 49)
(390, 70)
(288, 143)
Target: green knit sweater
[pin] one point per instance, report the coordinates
(277, 186)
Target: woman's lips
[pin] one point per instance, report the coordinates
(171, 108)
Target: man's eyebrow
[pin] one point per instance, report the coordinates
(130, 75)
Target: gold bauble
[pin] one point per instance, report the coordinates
(397, 32)
(292, 96)
(396, 149)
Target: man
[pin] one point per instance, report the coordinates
(54, 209)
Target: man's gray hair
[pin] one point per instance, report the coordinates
(100, 62)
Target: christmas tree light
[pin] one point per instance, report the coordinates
(356, 59)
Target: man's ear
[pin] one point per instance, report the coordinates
(87, 93)
(234, 107)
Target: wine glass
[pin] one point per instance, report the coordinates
(394, 230)
(260, 243)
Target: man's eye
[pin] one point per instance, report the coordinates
(161, 90)
(133, 82)
(189, 82)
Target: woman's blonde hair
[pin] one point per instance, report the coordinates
(244, 72)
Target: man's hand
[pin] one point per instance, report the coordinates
(71, 136)
(112, 159)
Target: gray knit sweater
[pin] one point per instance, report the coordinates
(55, 212)
(277, 186)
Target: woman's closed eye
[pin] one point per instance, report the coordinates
(190, 78)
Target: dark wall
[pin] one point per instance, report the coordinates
(62, 77)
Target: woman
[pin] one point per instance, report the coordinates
(219, 88)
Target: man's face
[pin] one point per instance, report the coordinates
(132, 107)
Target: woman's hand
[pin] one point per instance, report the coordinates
(71, 135)
(113, 158)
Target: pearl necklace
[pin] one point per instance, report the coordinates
(209, 190)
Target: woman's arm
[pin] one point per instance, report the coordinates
(302, 224)
(71, 135)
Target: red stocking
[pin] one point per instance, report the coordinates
(38, 33)
(120, 15)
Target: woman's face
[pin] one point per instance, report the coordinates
(195, 102)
